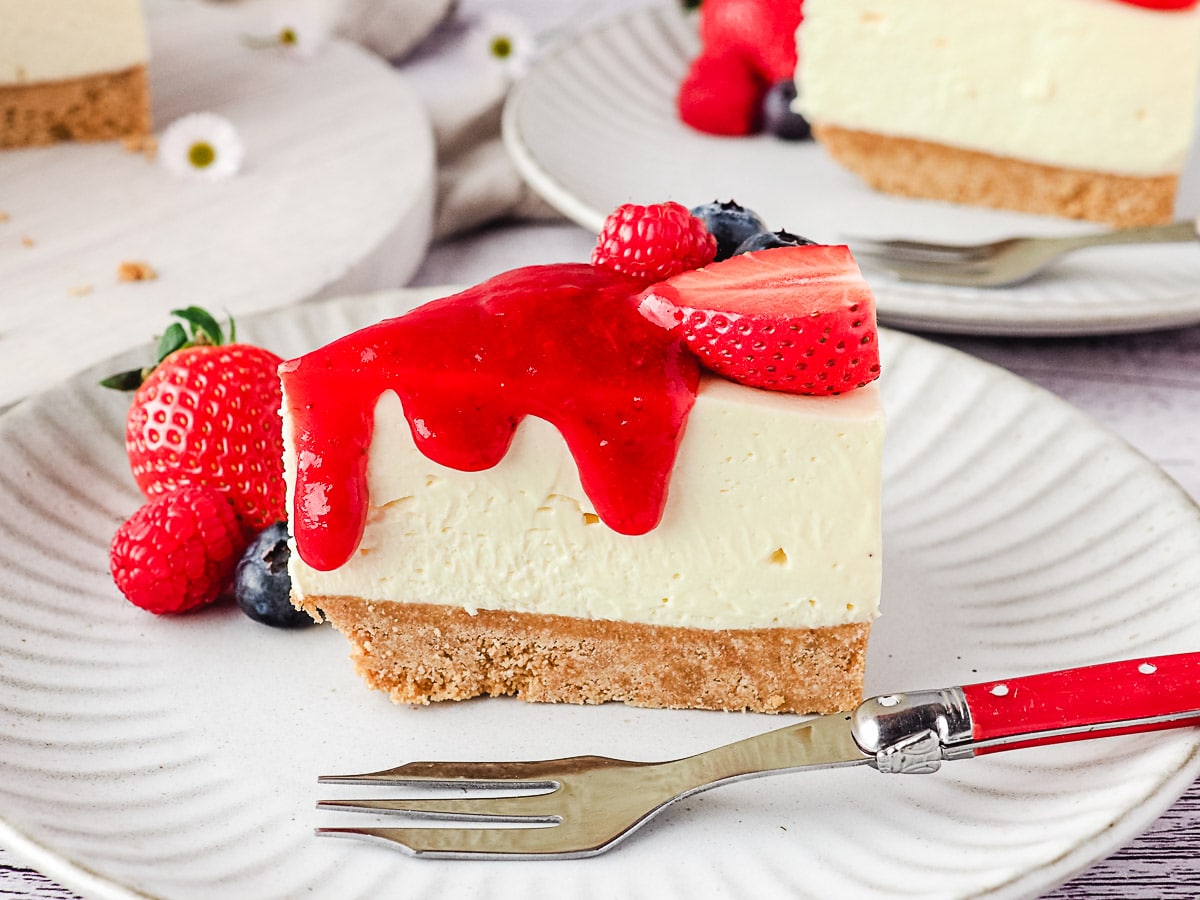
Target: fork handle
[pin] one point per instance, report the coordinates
(1174, 232)
(914, 731)
(1077, 704)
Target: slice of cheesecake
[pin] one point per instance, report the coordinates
(72, 70)
(1078, 108)
(530, 488)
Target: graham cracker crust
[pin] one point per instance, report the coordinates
(94, 108)
(913, 168)
(418, 653)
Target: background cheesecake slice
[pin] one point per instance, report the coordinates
(72, 70)
(1079, 108)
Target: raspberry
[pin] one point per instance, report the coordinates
(653, 242)
(178, 551)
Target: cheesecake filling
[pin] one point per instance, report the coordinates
(59, 40)
(537, 445)
(1093, 85)
(772, 520)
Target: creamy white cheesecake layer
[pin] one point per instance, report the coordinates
(773, 519)
(54, 40)
(1097, 85)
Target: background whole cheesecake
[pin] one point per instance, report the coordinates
(72, 70)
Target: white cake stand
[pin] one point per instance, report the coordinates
(335, 195)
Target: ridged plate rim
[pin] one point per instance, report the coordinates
(712, 841)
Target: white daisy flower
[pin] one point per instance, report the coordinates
(506, 43)
(202, 145)
(299, 27)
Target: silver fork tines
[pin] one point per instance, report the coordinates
(999, 263)
(556, 794)
(573, 807)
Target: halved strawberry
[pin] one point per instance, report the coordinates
(793, 319)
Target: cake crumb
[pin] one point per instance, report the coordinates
(27, 241)
(134, 270)
(145, 144)
(80, 291)
(4, 217)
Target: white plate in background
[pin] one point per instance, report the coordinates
(593, 125)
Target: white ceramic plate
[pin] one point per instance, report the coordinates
(177, 757)
(325, 200)
(593, 125)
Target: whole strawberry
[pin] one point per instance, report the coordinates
(722, 94)
(208, 414)
(746, 47)
(762, 31)
(653, 242)
(178, 551)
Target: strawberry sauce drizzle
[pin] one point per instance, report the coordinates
(1163, 5)
(562, 342)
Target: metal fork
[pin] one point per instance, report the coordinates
(1000, 263)
(583, 805)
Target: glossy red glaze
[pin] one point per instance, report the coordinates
(1166, 5)
(565, 343)
(1102, 695)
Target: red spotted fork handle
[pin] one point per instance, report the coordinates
(912, 732)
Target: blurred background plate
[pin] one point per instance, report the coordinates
(593, 125)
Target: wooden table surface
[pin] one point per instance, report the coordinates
(1145, 388)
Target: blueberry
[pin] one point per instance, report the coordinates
(261, 583)
(729, 223)
(765, 240)
(778, 116)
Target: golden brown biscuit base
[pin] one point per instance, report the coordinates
(915, 168)
(94, 108)
(420, 652)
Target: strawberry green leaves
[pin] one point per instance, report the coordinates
(196, 328)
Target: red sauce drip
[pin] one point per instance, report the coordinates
(1163, 5)
(564, 343)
